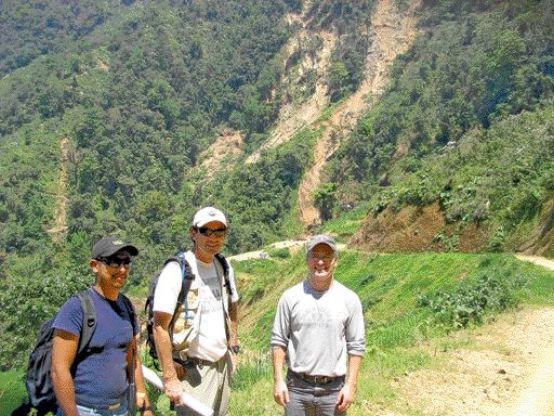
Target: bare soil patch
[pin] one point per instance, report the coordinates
(508, 369)
(416, 229)
(227, 148)
(411, 229)
(391, 34)
(59, 228)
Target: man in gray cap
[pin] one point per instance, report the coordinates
(319, 323)
(196, 341)
(98, 380)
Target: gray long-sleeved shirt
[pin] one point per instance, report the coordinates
(319, 329)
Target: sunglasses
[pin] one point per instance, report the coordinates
(325, 259)
(116, 261)
(208, 232)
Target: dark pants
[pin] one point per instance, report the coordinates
(311, 399)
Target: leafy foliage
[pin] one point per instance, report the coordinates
(469, 304)
(139, 90)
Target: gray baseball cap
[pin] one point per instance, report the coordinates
(321, 239)
(108, 246)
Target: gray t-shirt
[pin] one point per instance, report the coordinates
(319, 329)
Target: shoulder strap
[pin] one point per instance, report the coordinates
(223, 261)
(89, 319)
(130, 310)
(186, 274)
(131, 366)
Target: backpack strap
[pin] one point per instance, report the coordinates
(186, 282)
(227, 284)
(223, 261)
(89, 319)
(187, 277)
(131, 392)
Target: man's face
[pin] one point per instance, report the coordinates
(112, 271)
(321, 261)
(210, 237)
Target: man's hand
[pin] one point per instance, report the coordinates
(173, 390)
(281, 393)
(143, 405)
(234, 362)
(179, 370)
(346, 397)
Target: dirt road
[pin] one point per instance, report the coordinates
(261, 254)
(506, 369)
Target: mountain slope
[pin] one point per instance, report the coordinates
(453, 151)
(469, 81)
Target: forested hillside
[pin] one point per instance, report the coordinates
(106, 109)
(458, 154)
(136, 97)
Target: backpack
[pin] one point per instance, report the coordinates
(38, 379)
(186, 282)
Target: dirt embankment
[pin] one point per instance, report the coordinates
(391, 34)
(59, 228)
(416, 228)
(295, 116)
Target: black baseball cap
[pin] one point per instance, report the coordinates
(111, 245)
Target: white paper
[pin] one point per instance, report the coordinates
(187, 399)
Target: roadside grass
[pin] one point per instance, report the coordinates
(402, 331)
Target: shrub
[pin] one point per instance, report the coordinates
(469, 304)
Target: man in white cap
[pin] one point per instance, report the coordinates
(197, 342)
(319, 323)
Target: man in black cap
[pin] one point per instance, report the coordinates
(97, 381)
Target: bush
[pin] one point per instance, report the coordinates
(469, 304)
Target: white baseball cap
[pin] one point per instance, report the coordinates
(206, 215)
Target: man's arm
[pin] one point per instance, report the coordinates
(64, 350)
(347, 393)
(279, 342)
(142, 399)
(355, 345)
(280, 389)
(164, 348)
(234, 318)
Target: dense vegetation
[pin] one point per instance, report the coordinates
(454, 125)
(31, 29)
(140, 96)
(141, 89)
